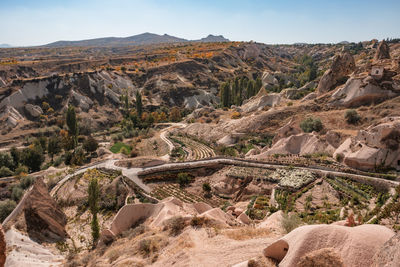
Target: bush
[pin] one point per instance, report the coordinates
(21, 169)
(26, 182)
(5, 171)
(206, 187)
(290, 222)
(90, 144)
(32, 158)
(183, 178)
(6, 207)
(175, 225)
(352, 116)
(311, 124)
(16, 193)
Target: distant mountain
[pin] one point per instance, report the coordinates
(140, 39)
(4, 45)
(213, 39)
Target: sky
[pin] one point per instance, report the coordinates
(37, 22)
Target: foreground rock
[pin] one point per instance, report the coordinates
(2, 247)
(389, 253)
(376, 146)
(354, 246)
(43, 216)
(342, 65)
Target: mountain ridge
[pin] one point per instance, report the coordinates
(139, 39)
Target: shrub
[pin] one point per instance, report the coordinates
(183, 178)
(5, 171)
(175, 225)
(311, 124)
(235, 115)
(352, 116)
(290, 222)
(16, 193)
(6, 207)
(90, 144)
(20, 170)
(339, 157)
(148, 246)
(206, 187)
(26, 182)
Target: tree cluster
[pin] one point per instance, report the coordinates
(234, 92)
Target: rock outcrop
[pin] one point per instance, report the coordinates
(261, 101)
(300, 144)
(43, 216)
(389, 254)
(354, 246)
(357, 92)
(291, 128)
(377, 146)
(11, 116)
(155, 215)
(342, 65)
(2, 247)
(383, 51)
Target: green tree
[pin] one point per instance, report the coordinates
(72, 124)
(139, 104)
(6, 161)
(311, 124)
(225, 94)
(32, 158)
(93, 199)
(53, 146)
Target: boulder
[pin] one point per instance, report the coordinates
(33, 110)
(342, 65)
(227, 140)
(355, 246)
(389, 254)
(357, 92)
(42, 214)
(2, 247)
(243, 218)
(383, 51)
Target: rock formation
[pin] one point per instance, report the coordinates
(357, 92)
(342, 65)
(376, 146)
(2, 247)
(355, 246)
(300, 144)
(42, 214)
(389, 254)
(383, 51)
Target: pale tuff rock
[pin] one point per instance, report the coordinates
(342, 65)
(33, 110)
(383, 51)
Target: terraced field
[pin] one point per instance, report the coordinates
(174, 190)
(194, 150)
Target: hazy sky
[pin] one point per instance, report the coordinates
(36, 22)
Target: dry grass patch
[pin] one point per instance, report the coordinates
(246, 232)
(261, 261)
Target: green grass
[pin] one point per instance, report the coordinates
(116, 148)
